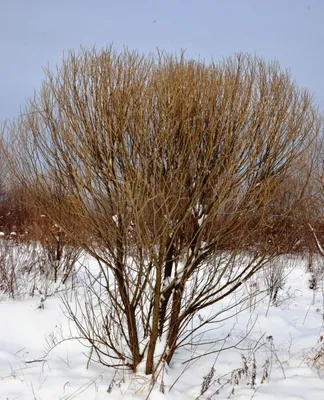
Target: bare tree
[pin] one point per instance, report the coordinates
(165, 161)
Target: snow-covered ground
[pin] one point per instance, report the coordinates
(272, 353)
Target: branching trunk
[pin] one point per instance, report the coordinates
(128, 307)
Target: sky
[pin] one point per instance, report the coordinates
(37, 33)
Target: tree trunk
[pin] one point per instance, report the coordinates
(174, 324)
(167, 294)
(155, 325)
(128, 307)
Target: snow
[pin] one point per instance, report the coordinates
(202, 219)
(286, 338)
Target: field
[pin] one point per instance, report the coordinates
(258, 349)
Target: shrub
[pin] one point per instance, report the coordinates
(163, 161)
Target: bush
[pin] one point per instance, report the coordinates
(163, 161)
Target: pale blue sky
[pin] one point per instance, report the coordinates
(34, 33)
